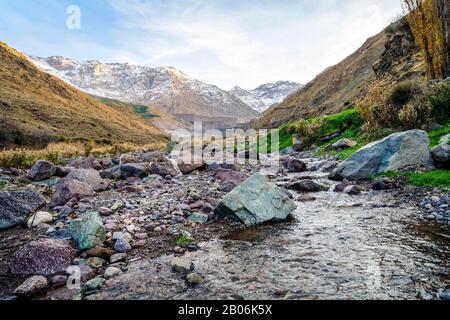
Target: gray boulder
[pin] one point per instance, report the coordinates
(133, 170)
(41, 170)
(256, 201)
(16, 206)
(90, 177)
(42, 257)
(441, 155)
(294, 165)
(306, 185)
(69, 189)
(114, 173)
(399, 150)
(165, 168)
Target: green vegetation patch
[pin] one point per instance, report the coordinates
(435, 178)
(183, 241)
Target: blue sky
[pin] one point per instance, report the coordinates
(223, 42)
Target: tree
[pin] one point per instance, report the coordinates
(429, 21)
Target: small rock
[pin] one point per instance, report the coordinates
(306, 185)
(105, 211)
(194, 279)
(58, 281)
(182, 265)
(38, 218)
(198, 217)
(93, 284)
(122, 246)
(100, 252)
(112, 272)
(117, 257)
(32, 286)
(352, 190)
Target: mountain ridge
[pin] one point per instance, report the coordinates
(166, 88)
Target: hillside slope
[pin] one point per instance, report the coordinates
(36, 108)
(165, 88)
(390, 56)
(154, 117)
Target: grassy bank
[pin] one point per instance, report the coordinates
(435, 178)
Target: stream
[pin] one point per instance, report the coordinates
(370, 246)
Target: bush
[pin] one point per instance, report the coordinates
(415, 114)
(439, 98)
(403, 93)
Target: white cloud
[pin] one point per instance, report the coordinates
(248, 42)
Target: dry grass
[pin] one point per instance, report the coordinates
(58, 153)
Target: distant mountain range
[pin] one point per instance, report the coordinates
(37, 108)
(166, 88)
(266, 95)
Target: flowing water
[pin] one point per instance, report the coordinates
(369, 246)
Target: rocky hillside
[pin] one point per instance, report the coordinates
(36, 108)
(266, 95)
(166, 88)
(390, 56)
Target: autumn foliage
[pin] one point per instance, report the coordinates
(429, 21)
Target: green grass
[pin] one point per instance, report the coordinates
(183, 241)
(435, 135)
(435, 178)
(3, 184)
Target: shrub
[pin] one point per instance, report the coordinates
(403, 92)
(439, 98)
(415, 114)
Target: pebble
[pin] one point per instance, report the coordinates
(122, 246)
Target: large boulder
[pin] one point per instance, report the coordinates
(90, 177)
(42, 257)
(133, 170)
(16, 206)
(42, 170)
(88, 231)
(398, 151)
(441, 155)
(70, 189)
(256, 201)
(165, 168)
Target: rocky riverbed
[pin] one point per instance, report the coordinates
(140, 227)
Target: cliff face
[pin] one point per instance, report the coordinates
(390, 56)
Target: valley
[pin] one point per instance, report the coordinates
(350, 201)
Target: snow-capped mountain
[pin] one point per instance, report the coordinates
(166, 88)
(266, 95)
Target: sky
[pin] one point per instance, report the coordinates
(222, 42)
